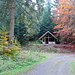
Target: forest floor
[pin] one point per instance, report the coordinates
(57, 48)
(58, 64)
(61, 60)
(53, 58)
(69, 47)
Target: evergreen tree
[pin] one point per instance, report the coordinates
(46, 21)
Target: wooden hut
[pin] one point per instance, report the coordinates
(48, 38)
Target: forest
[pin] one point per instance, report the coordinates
(28, 20)
(23, 22)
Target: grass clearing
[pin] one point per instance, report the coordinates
(72, 67)
(23, 62)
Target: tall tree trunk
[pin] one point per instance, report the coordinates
(12, 21)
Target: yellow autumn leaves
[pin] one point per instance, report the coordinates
(5, 48)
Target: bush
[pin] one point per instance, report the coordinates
(5, 50)
(9, 51)
(40, 41)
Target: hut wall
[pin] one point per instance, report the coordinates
(51, 42)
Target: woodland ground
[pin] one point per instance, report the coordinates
(31, 54)
(68, 47)
(57, 64)
(21, 63)
(57, 48)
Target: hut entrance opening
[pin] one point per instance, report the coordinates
(48, 38)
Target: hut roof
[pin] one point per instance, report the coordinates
(47, 33)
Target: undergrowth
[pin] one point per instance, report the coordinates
(22, 60)
(45, 48)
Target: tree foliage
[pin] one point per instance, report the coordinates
(26, 17)
(29, 18)
(46, 19)
(65, 19)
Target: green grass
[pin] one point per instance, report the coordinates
(21, 63)
(72, 67)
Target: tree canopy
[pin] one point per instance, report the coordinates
(28, 20)
(65, 19)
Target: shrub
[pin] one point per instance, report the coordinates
(9, 51)
(4, 48)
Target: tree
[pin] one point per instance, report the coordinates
(46, 20)
(20, 15)
(40, 4)
(25, 17)
(65, 19)
(12, 21)
(4, 13)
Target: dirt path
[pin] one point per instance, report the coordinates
(56, 65)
